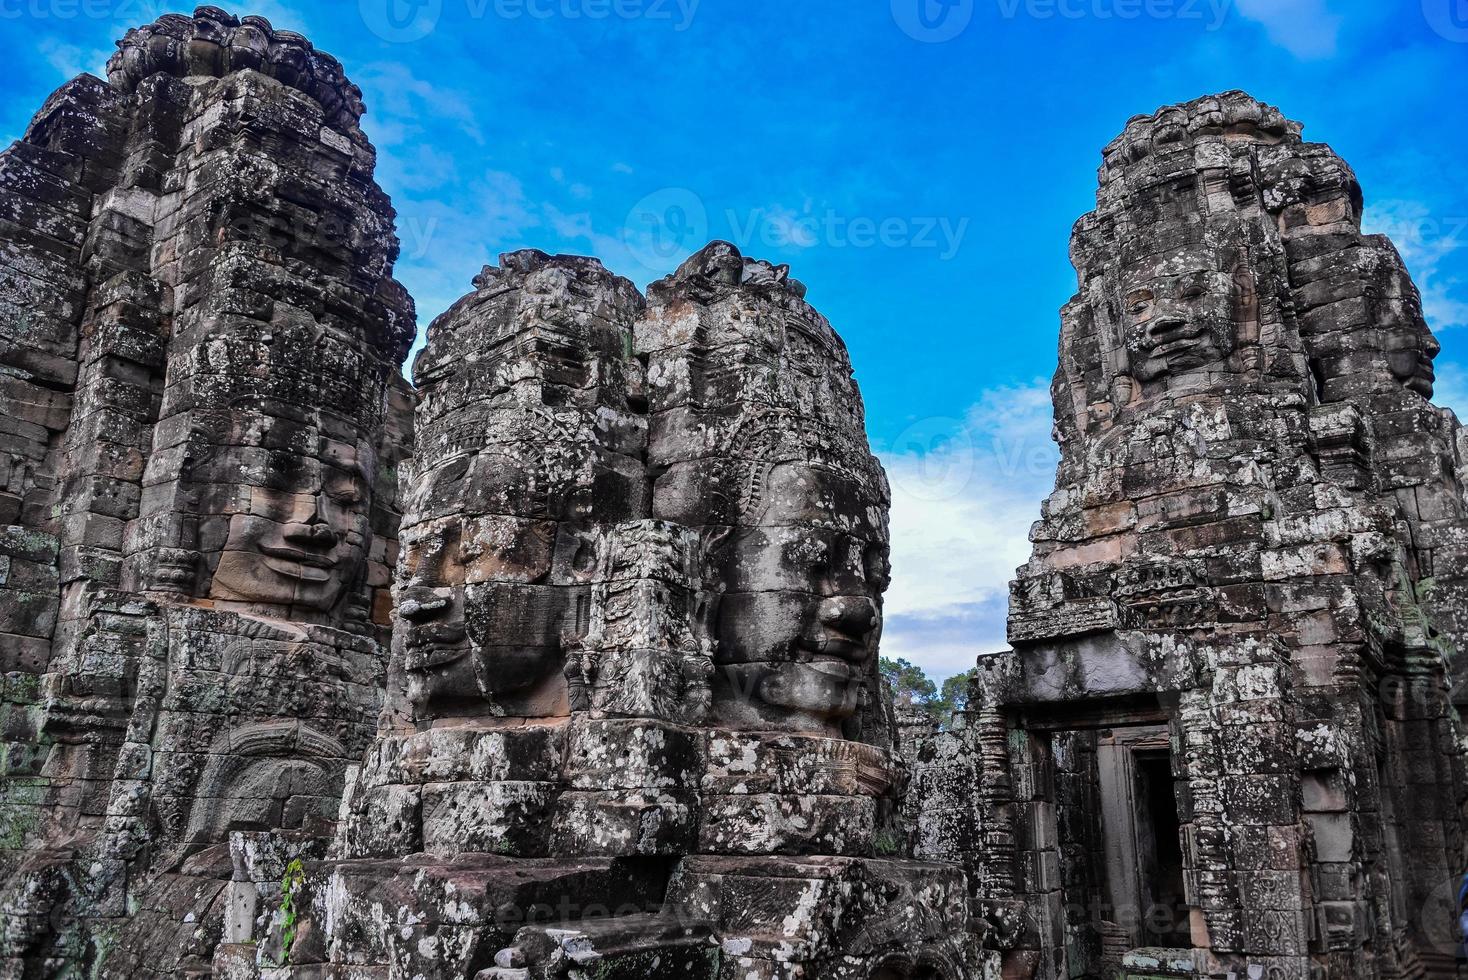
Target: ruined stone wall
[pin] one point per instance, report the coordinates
(204, 511)
(1252, 536)
(635, 669)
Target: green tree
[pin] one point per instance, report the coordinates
(911, 687)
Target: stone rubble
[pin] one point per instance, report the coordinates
(562, 661)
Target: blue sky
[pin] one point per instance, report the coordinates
(918, 162)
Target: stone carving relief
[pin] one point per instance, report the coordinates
(210, 502)
(1228, 572)
(640, 601)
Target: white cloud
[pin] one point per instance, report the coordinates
(71, 60)
(399, 103)
(1426, 239)
(1305, 28)
(964, 494)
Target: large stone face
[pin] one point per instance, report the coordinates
(640, 599)
(612, 709)
(201, 341)
(1225, 724)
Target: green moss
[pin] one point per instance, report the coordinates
(17, 824)
(290, 887)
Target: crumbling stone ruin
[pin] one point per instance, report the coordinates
(639, 604)
(1224, 739)
(203, 418)
(561, 662)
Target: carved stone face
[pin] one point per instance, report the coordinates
(480, 625)
(1178, 321)
(1409, 344)
(431, 608)
(799, 623)
(298, 540)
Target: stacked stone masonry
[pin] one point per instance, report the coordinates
(1245, 594)
(561, 662)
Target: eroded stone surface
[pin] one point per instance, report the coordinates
(1243, 591)
(628, 722)
(640, 602)
(199, 373)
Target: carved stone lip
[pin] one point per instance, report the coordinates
(835, 647)
(434, 655)
(306, 558)
(1425, 379)
(831, 667)
(301, 565)
(438, 645)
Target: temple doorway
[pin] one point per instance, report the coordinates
(1119, 842)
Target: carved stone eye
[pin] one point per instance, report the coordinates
(878, 567)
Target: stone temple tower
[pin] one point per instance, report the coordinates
(634, 724)
(1224, 739)
(200, 345)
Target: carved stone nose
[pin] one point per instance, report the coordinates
(316, 535)
(853, 616)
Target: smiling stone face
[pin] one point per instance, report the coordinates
(1409, 344)
(299, 540)
(1178, 318)
(525, 448)
(479, 627)
(801, 615)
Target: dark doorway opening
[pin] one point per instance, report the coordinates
(1159, 844)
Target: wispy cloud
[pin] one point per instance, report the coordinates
(964, 494)
(400, 104)
(1305, 28)
(1428, 240)
(71, 60)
